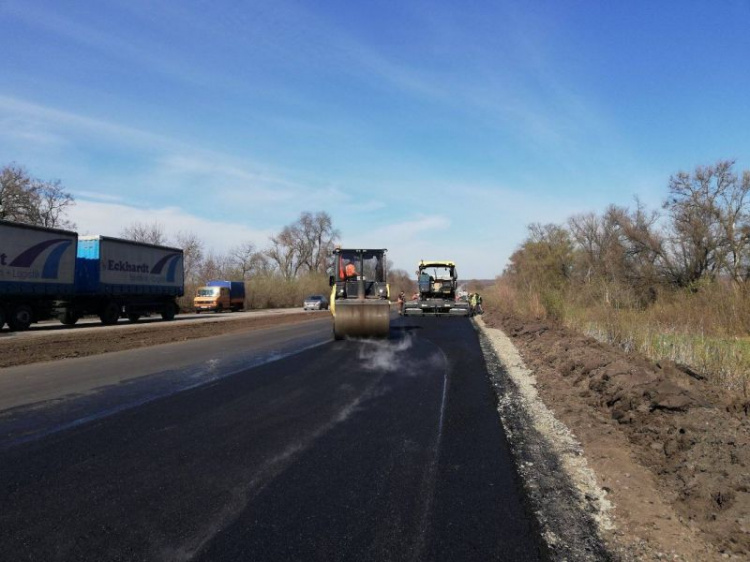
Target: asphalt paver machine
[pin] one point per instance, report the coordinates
(437, 284)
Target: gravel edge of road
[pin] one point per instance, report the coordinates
(571, 508)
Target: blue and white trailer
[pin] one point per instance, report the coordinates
(47, 272)
(116, 277)
(37, 270)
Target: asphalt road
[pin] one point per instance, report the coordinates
(348, 450)
(89, 324)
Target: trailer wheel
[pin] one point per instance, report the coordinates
(2, 317)
(110, 314)
(168, 312)
(69, 318)
(20, 318)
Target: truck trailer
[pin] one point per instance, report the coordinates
(37, 269)
(47, 273)
(116, 277)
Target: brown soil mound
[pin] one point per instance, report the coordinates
(692, 437)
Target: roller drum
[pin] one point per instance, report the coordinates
(361, 319)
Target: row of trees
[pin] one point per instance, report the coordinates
(295, 263)
(700, 235)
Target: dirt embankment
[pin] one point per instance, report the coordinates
(671, 450)
(70, 343)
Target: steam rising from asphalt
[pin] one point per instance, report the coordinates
(392, 357)
(376, 355)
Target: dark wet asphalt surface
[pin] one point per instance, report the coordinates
(350, 450)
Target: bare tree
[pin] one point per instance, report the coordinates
(192, 248)
(545, 259)
(735, 225)
(284, 253)
(215, 266)
(143, 232)
(304, 245)
(33, 201)
(709, 214)
(587, 232)
(644, 258)
(317, 238)
(247, 261)
(52, 203)
(15, 189)
(601, 246)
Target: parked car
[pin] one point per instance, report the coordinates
(315, 302)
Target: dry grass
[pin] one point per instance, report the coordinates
(706, 330)
(508, 299)
(271, 291)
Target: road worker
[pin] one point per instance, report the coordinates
(401, 301)
(350, 270)
(473, 303)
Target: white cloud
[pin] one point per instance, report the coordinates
(52, 121)
(411, 228)
(97, 196)
(406, 240)
(109, 219)
(164, 165)
(92, 35)
(210, 165)
(22, 131)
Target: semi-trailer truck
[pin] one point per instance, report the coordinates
(220, 295)
(46, 273)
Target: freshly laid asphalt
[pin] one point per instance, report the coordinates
(350, 450)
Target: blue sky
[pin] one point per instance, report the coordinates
(436, 129)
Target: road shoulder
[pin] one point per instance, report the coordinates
(571, 509)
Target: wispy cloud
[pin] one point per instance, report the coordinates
(23, 131)
(407, 230)
(169, 161)
(110, 219)
(97, 196)
(509, 83)
(99, 35)
(224, 174)
(65, 124)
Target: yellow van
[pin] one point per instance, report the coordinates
(220, 295)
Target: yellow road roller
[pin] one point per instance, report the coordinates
(359, 294)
